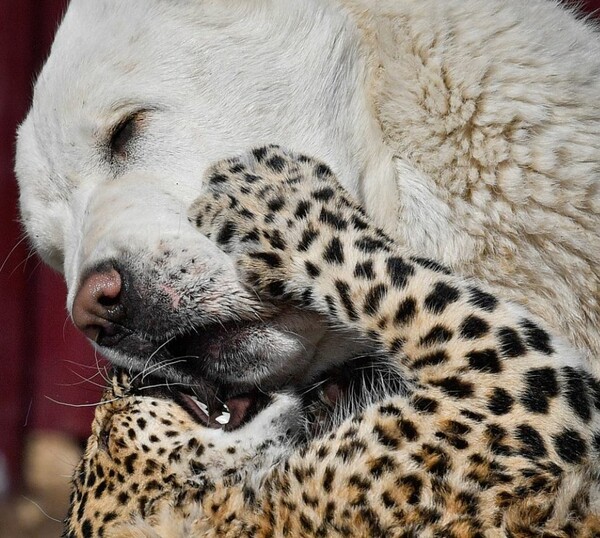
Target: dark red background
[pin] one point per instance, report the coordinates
(39, 348)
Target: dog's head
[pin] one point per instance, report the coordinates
(134, 103)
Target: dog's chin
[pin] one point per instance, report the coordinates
(269, 354)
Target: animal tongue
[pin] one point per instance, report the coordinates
(214, 414)
(238, 409)
(206, 414)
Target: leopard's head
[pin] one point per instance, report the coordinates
(154, 450)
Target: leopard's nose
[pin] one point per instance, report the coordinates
(97, 305)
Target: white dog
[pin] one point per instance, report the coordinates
(470, 129)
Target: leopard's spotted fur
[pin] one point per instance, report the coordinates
(499, 434)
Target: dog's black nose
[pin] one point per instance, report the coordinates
(97, 305)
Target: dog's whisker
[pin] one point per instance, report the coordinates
(157, 367)
(165, 384)
(19, 242)
(24, 263)
(154, 353)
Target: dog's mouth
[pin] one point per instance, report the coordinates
(210, 342)
(200, 341)
(271, 353)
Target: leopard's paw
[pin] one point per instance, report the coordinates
(268, 208)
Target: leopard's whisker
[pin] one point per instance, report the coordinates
(38, 506)
(94, 404)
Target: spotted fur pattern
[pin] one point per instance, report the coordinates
(498, 436)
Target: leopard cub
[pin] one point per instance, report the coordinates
(496, 433)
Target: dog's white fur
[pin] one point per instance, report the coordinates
(469, 128)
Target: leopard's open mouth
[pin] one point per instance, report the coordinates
(212, 406)
(230, 414)
(224, 408)
(336, 393)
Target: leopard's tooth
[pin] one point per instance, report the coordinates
(224, 417)
(202, 406)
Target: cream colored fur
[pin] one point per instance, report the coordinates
(491, 110)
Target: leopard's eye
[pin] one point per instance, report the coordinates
(122, 135)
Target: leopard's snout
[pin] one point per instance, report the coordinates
(98, 304)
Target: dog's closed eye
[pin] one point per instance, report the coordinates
(124, 133)
(121, 137)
